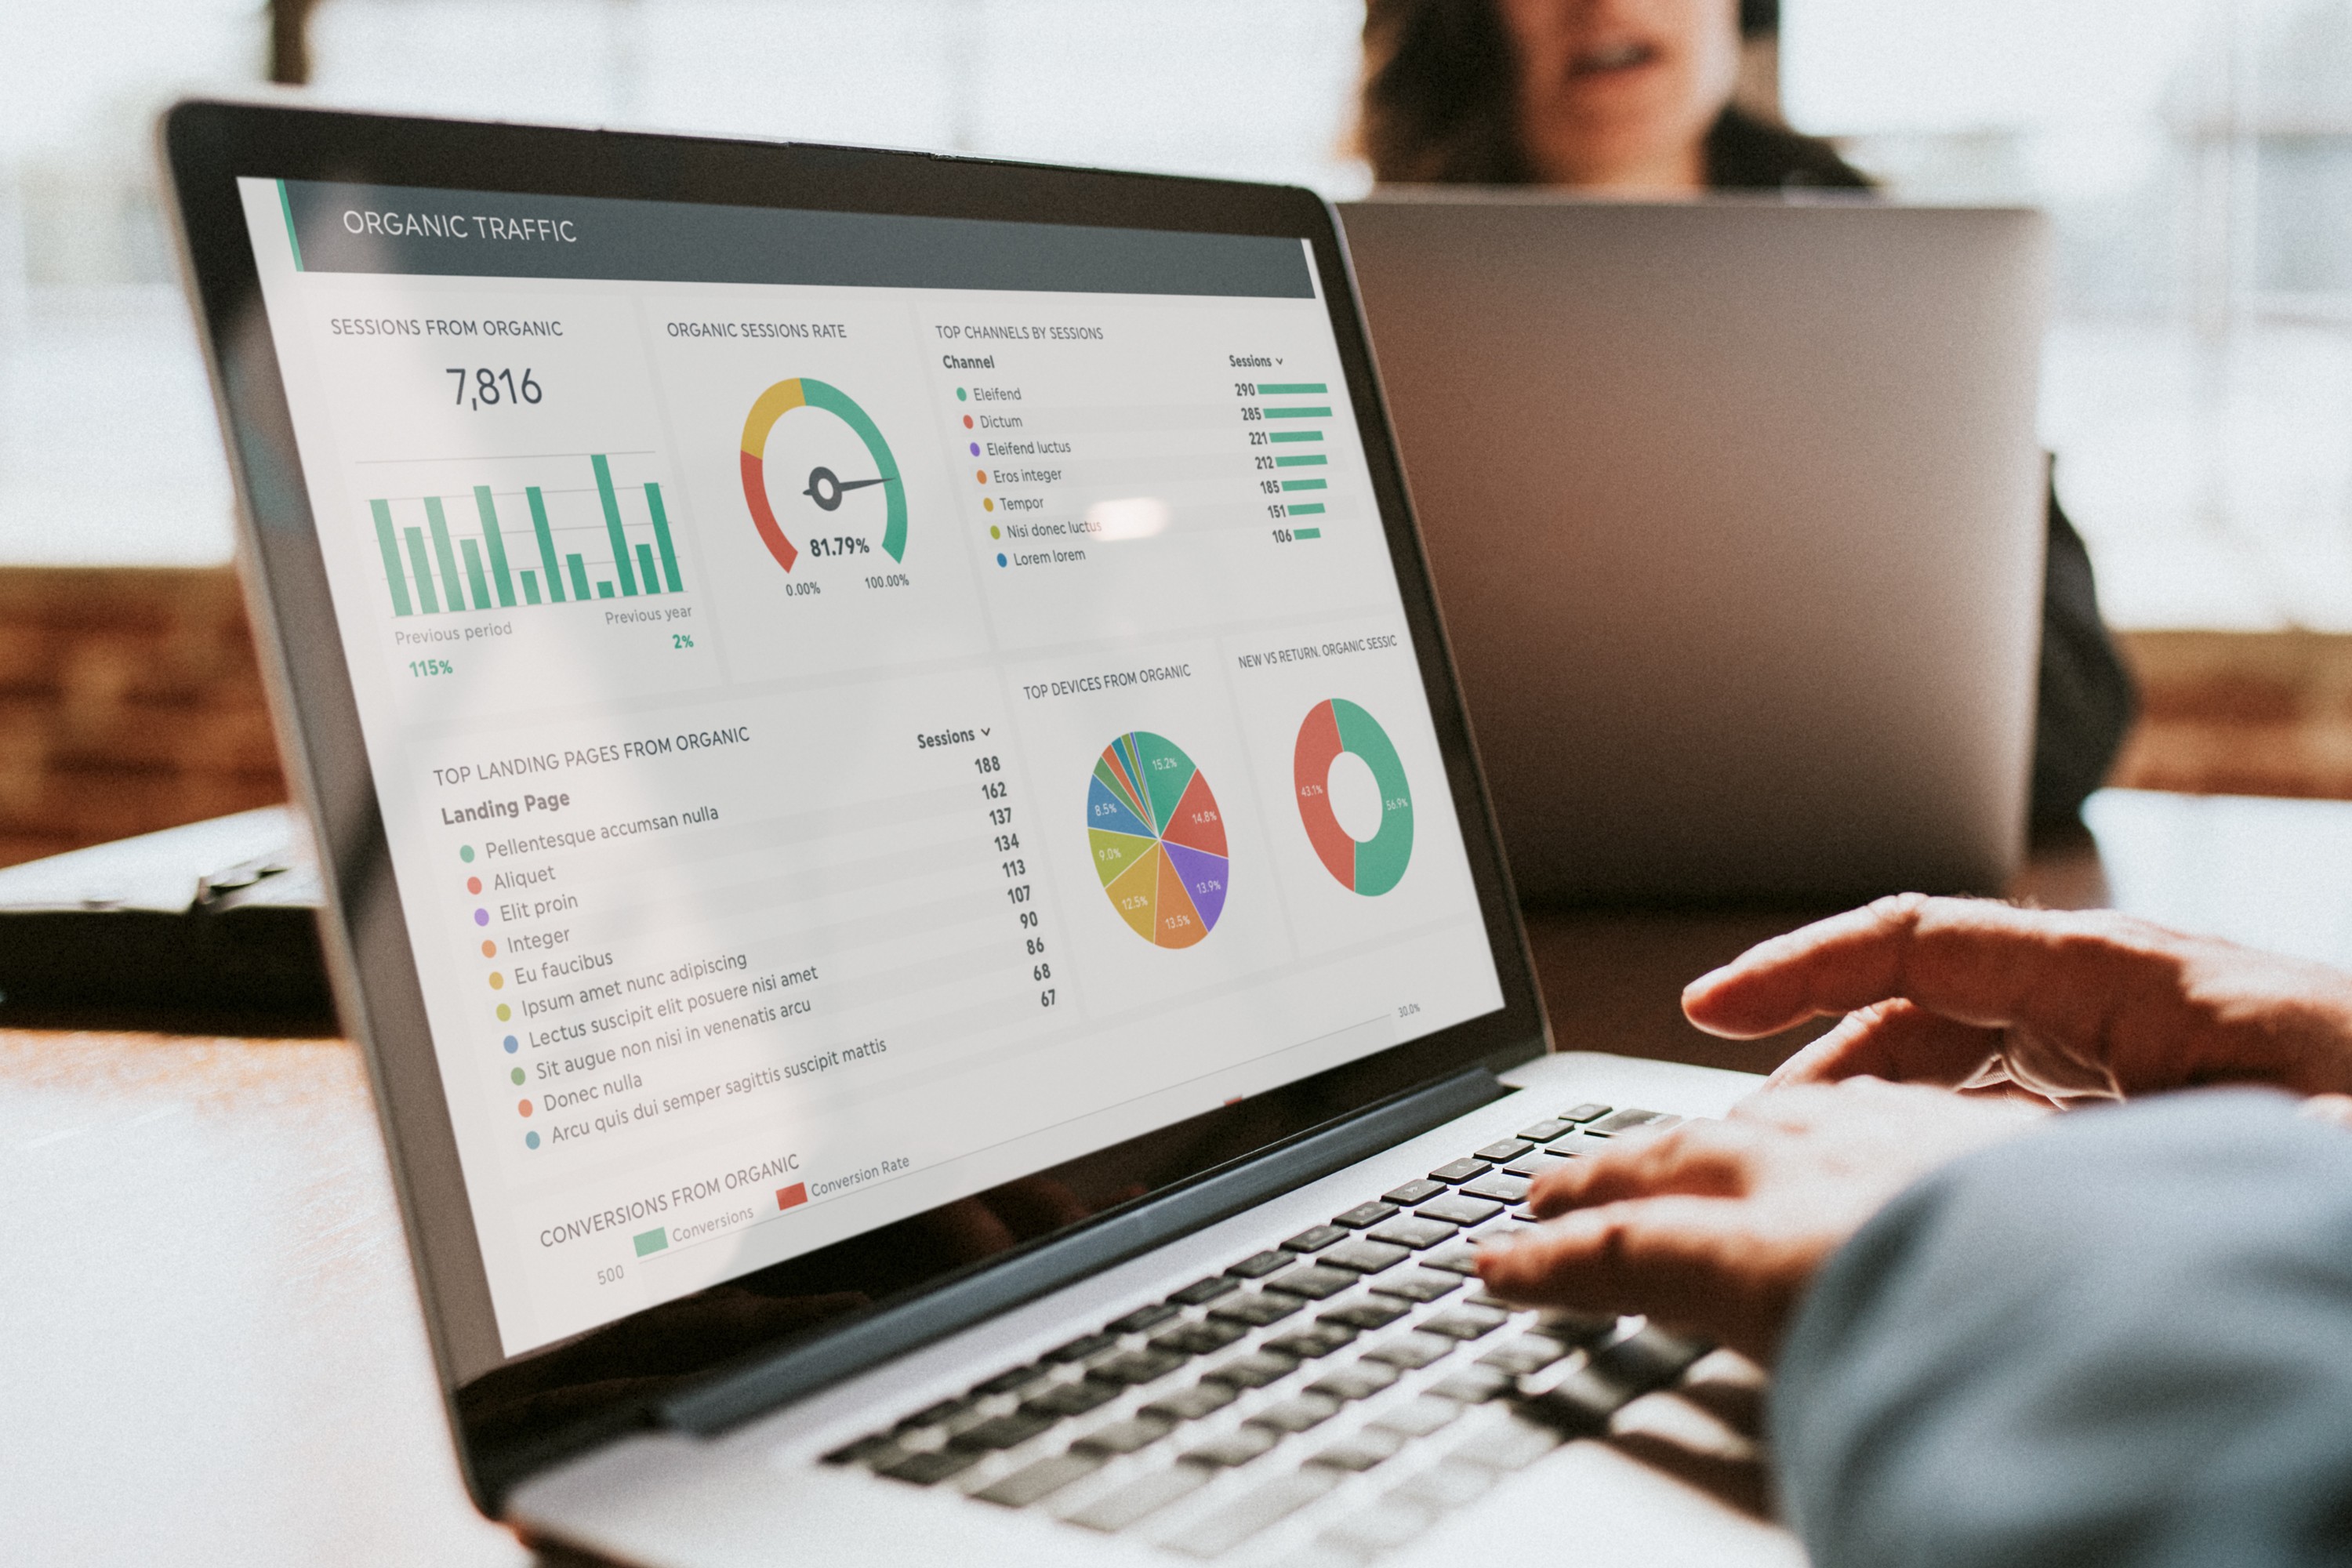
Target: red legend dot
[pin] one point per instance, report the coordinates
(967, 421)
(522, 1108)
(473, 884)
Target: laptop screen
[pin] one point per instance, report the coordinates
(864, 709)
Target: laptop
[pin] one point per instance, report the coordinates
(1737, 508)
(902, 847)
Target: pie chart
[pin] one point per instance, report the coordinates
(1367, 866)
(1158, 841)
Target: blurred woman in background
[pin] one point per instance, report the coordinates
(1634, 97)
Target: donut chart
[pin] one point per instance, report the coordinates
(1372, 866)
(825, 487)
(1157, 838)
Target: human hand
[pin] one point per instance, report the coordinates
(1717, 1228)
(1970, 993)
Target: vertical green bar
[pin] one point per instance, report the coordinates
(293, 240)
(546, 544)
(417, 558)
(603, 590)
(578, 576)
(474, 574)
(391, 548)
(645, 565)
(495, 543)
(661, 537)
(530, 586)
(621, 567)
(451, 587)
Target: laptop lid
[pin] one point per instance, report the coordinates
(1755, 540)
(877, 724)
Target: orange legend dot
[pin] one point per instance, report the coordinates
(497, 981)
(490, 949)
(522, 1108)
(473, 884)
(981, 474)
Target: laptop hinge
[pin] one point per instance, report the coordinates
(747, 1391)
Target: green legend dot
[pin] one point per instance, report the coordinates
(959, 394)
(505, 1011)
(466, 853)
(517, 1075)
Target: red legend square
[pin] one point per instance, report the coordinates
(791, 1197)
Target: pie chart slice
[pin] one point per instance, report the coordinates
(1158, 840)
(1369, 866)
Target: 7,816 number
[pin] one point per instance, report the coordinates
(485, 388)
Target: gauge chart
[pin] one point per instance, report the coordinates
(1157, 838)
(1373, 864)
(823, 463)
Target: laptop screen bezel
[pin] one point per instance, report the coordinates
(208, 146)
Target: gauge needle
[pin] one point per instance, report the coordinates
(826, 491)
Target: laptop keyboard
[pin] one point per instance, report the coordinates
(1359, 1353)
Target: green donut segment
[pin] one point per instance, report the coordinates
(833, 400)
(1381, 859)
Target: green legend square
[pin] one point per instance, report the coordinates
(652, 1241)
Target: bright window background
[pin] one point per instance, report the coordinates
(2196, 156)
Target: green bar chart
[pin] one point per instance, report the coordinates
(1284, 425)
(595, 537)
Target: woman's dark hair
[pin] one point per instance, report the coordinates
(1439, 106)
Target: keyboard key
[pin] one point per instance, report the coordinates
(937, 1415)
(1255, 1370)
(872, 1445)
(1544, 1131)
(1384, 1527)
(1588, 1112)
(1317, 1239)
(1448, 1486)
(1237, 1448)
(1220, 1532)
(1079, 1350)
(1141, 1498)
(1415, 1232)
(1257, 1309)
(1192, 1404)
(1314, 1282)
(1142, 1318)
(1460, 1258)
(1572, 1147)
(1137, 1368)
(1361, 1452)
(1528, 1352)
(1464, 1323)
(1364, 1215)
(1314, 1342)
(1420, 1418)
(1374, 1313)
(1502, 1151)
(1628, 1119)
(1208, 1335)
(1299, 1412)
(1412, 1192)
(1464, 1169)
(1070, 1399)
(1457, 1210)
(1361, 1381)
(1004, 1431)
(1535, 1164)
(1491, 1302)
(1501, 1186)
(1258, 1265)
(1571, 1327)
(1646, 1359)
(1013, 1382)
(1410, 1352)
(1473, 1385)
(1131, 1436)
(1512, 1444)
(1200, 1292)
(932, 1466)
(1418, 1286)
(1034, 1483)
(1362, 1257)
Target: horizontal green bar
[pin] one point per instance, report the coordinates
(1290, 388)
(1306, 484)
(1298, 414)
(1307, 508)
(1303, 460)
(1306, 533)
(652, 1241)
(1281, 436)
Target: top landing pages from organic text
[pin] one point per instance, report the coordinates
(864, 709)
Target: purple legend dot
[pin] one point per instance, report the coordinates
(976, 448)
(481, 917)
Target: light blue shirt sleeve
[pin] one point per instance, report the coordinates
(2125, 1338)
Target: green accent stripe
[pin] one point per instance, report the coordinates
(293, 240)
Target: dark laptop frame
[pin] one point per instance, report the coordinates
(730, 1350)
